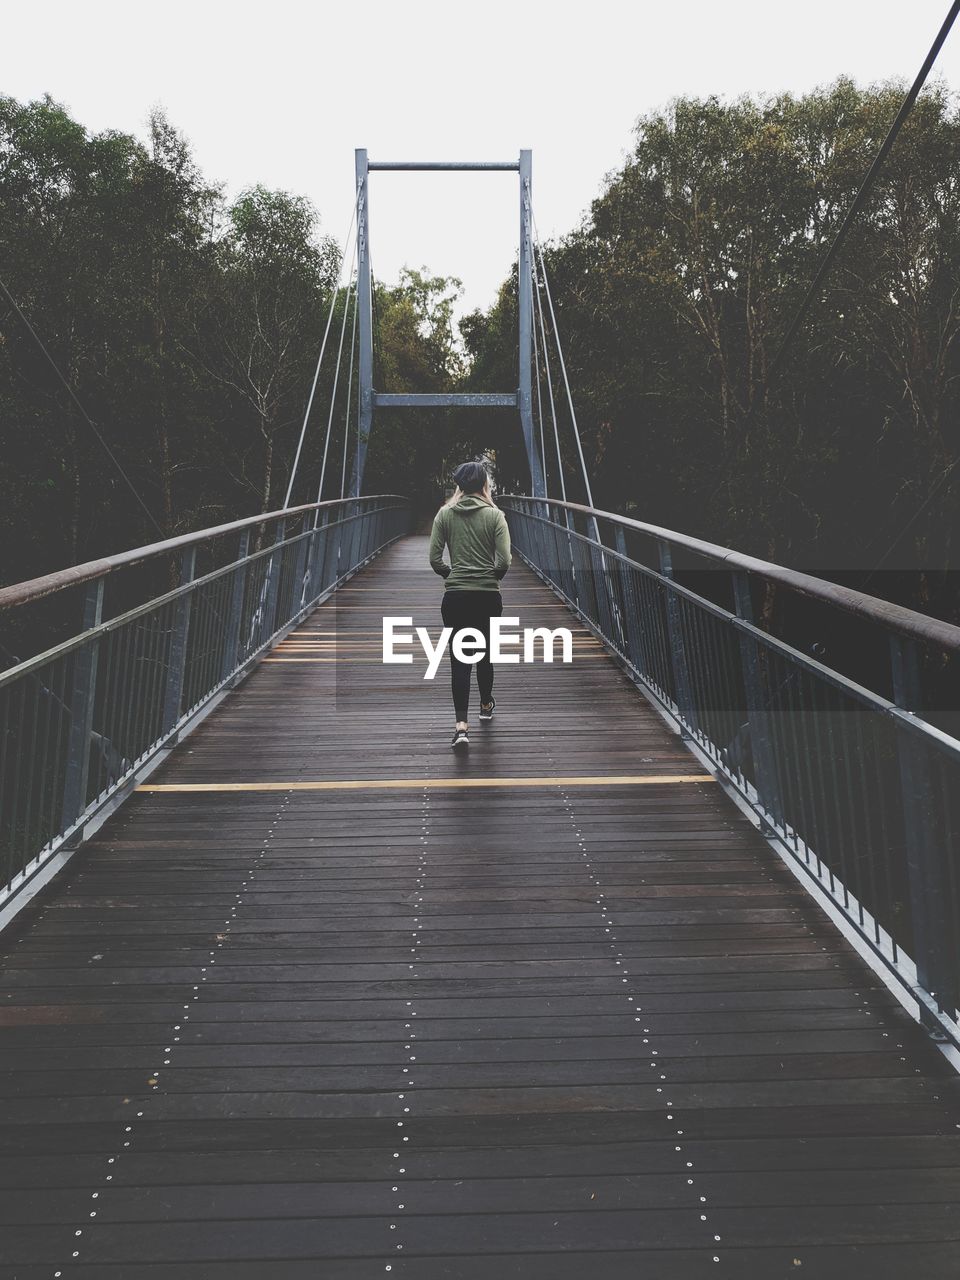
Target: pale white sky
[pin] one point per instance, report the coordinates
(282, 93)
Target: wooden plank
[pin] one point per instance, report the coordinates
(566, 1013)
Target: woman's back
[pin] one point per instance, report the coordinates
(479, 541)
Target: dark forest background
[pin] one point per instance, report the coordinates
(189, 325)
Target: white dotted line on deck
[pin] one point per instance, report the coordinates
(410, 1036)
(153, 1079)
(609, 928)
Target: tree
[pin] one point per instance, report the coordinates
(267, 295)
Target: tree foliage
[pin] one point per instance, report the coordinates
(188, 326)
(675, 291)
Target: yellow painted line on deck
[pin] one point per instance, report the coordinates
(388, 784)
(372, 608)
(577, 657)
(341, 591)
(346, 631)
(370, 646)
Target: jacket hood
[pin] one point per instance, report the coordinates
(470, 503)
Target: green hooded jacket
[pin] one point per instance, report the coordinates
(479, 543)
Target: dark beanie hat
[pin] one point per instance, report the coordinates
(470, 477)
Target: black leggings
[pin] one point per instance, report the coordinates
(470, 609)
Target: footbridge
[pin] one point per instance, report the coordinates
(658, 979)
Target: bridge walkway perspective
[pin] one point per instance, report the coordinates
(327, 999)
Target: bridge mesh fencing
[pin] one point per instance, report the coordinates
(79, 722)
(863, 793)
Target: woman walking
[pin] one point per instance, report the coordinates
(476, 533)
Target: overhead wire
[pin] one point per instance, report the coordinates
(543, 447)
(865, 186)
(546, 362)
(563, 364)
(323, 347)
(351, 287)
(858, 203)
(938, 484)
(525, 231)
(83, 413)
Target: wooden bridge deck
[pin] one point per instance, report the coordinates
(557, 1030)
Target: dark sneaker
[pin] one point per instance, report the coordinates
(486, 710)
(460, 739)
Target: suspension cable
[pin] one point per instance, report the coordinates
(938, 484)
(323, 347)
(336, 379)
(865, 186)
(346, 417)
(546, 363)
(563, 364)
(536, 365)
(83, 413)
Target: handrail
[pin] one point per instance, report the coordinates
(81, 722)
(858, 791)
(18, 593)
(909, 622)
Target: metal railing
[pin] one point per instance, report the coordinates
(79, 722)
(859, 788)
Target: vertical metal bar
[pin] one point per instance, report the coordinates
(924, 858)
(131, 690)
(820, 769)
(365, 362)
(113, 661)
(353, 546)
(7, 697)
(231, 648)
(15, 789)
(58, 695)
(319, 553)
(525, 335)
(844, 791)
(151, 727)
(600, 571)
(779, 747)
(678, 655)
(272, 586)
(946, 795)
(81, 710)
(764, 769)
(734, 707)
(173, 690)
(885, 788)
(30, 846)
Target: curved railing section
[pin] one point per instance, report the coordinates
(81, 722)
(854, 783)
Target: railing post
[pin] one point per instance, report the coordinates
(678, 652)
(81, 710)
(274, 572)
(598, 563)
(353, 547)
(758, 712)
(319, 553)
(634, 631)
(534, 538)
(331, 550)
(923, 853)
(298, 595)
(575, 576)
(231, 648)
(176, 669)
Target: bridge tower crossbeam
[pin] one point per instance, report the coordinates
(371, 399)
